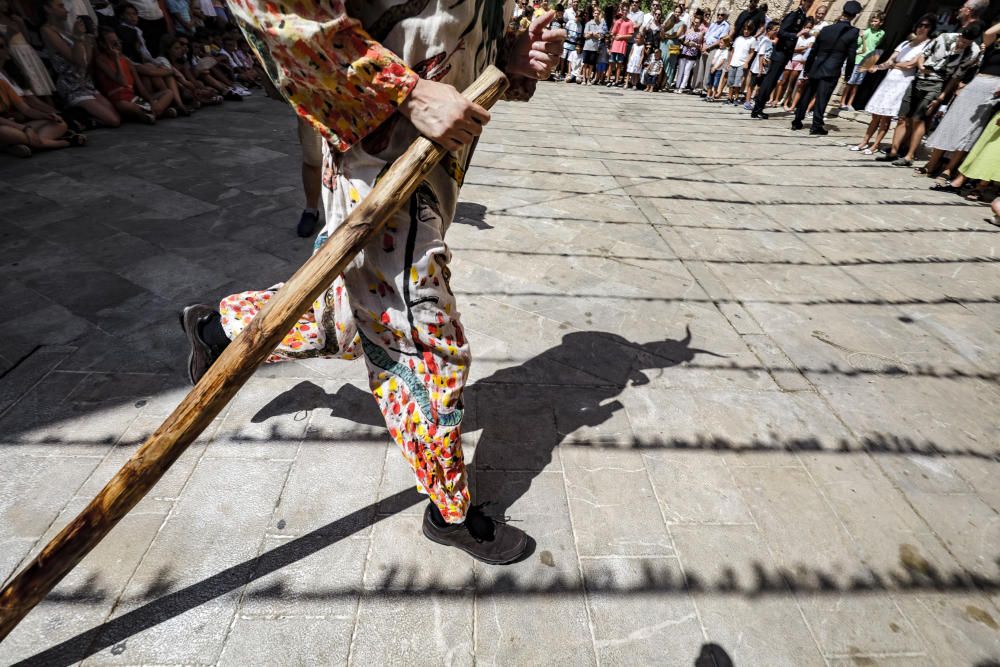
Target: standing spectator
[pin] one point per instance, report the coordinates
(636, 62)
(888, 97)
(744, 45)
(651, 75)
(152, 22)
(637, 17)
(574, 36)
(744, 17)
(788, 33)
(719, 68)
(690, 51)
(941, 66)
(672, 31)
(982, 163)
(569, 13)
(713, 36)
(972, 107)
(180, 12)
(762, 62)
(836, 46)
(603, 57)
(593, 31)
(621, 36)
(821, 21)
(786, 87)
(867, 43)
(13, 27)
(71, 56)
(651, 27)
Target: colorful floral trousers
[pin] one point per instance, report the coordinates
(394, 306)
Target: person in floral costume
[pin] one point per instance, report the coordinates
(370, 76)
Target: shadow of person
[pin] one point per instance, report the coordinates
(713, 655)
(525, 412)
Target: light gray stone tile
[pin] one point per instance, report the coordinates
(285, 641)
(741, 597)
(614, 508)
(633, 627)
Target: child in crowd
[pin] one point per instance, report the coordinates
(603, 56)
(738, 61)
(244, 71)
(117, 79)
(765, 48)
(719, 65)
(868, 41)
(636, 61)
(574, 36)
(575, 72)
(651, 75)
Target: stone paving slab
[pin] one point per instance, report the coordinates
(738, 383)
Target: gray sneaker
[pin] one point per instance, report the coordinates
(482, 537)
(203, 354)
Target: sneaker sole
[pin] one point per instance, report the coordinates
(489, 561)
(189, 318)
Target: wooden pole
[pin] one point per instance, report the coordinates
(230, 372)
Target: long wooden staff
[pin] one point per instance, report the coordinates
(230, 372)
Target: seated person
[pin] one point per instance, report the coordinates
(118, 80)
(24, 129)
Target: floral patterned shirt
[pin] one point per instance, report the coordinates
(340, 79)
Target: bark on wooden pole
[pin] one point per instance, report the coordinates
(230, 372)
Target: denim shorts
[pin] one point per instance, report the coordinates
(716, 78)
(602, 67)
(856, 77)
(735, 77)
(617, 57)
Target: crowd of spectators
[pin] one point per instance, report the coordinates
(70, 66)
(940, 92)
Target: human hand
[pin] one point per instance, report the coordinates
(537, 51)
(443, 115)
(79, 27)
(54, 117)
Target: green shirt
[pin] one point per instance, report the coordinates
(867, 42)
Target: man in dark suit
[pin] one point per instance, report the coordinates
(788, 34)
(835, 46)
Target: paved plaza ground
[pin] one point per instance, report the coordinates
(739, 383)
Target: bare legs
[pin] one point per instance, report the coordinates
(101, 110)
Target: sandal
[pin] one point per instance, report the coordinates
(860, 147)
(75, 139)
(18, 150)
(902, 162)
(945, 187)
(170, 112)
(869, 151)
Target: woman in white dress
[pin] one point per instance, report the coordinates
(884, 104)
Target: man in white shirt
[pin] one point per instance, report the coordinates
(716, 31)
(569, 14)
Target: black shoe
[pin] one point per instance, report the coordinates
(232, 96)
(203, 354)
(797, 125)
(822, 131)
(480, 536)
(759, 115)
(307, 223)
